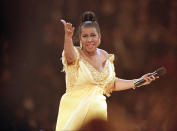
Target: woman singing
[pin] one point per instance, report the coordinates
(89, 74)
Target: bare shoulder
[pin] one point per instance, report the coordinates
(104, 53)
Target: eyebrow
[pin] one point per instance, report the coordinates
(84, 34)
(90, 33)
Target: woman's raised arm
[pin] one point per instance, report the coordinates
(69, 51)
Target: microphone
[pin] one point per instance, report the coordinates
(159, 72)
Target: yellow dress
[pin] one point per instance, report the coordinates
(84, 99)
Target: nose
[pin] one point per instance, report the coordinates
(89, 39)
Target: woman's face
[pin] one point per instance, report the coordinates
(89, 38)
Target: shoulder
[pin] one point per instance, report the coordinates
(104, 53)
(107, 55)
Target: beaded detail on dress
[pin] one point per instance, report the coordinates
(98, 77)
(102, 79)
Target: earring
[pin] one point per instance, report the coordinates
(99, 42)
(80, 44)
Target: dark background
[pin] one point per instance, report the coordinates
(141, 34)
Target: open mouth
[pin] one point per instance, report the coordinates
(90, 46)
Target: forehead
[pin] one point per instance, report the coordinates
(88, 30)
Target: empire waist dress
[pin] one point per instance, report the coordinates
(84, 99)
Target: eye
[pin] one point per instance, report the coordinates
(93, 35)
(84, 36)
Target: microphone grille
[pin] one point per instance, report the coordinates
(161, 71)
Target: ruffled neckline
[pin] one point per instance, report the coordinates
(91, 66)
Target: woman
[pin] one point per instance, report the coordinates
(89, 76)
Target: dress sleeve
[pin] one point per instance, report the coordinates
(110, 85)
(74, 65)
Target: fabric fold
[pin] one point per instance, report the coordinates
(84, 99)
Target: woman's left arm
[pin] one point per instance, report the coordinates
(122, 84)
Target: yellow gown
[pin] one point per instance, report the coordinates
(84, 99)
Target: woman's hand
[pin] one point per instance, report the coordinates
(149, 78)
(69, 29)
(69, 51)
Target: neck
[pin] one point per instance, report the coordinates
(89, 53)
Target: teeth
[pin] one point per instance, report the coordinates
(90, 45)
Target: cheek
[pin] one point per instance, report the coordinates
(82, 40)
(96, 39)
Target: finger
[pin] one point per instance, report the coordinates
(149, 74)
(69, 25)
(152, 77)
(67, 28)
(64, 22)
(146, 79)
(70, 28)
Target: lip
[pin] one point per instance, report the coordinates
(90, 45)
